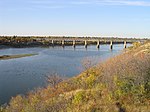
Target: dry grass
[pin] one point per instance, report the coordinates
(120, 83)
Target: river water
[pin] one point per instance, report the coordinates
(19, 76)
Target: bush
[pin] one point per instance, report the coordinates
(78, 97)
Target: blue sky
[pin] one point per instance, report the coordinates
(119, 18)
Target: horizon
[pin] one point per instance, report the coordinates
(47, 36)
(79, 18)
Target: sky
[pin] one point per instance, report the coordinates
(107, 18)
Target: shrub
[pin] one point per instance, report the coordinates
(78, 97)
(54, 79)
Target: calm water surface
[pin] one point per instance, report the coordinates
(19, 76)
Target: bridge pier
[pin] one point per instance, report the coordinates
(85, 44)
(111, 45)
(125, 44)
(52, 42)
(98, 44)
(63, 43)
(74, 43)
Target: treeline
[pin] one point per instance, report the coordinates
(16, 41)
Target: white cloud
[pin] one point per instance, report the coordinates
(59, 4)
(113, 2)
(129, 2)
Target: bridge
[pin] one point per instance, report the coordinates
(66, 41)
(87, 40)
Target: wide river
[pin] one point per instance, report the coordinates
(19, 76)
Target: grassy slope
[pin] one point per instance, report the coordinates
(122, 82)
(6, 57)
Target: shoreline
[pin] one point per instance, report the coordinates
(8, 57)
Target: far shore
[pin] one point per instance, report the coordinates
(6, 57)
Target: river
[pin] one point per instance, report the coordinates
(21, 75)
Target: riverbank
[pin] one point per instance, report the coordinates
(6, 57)
(120, 83)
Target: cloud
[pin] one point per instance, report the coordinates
(113, 2)
(129, 2)
(59, 4)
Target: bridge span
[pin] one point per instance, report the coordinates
(87, 41)
(65, 41)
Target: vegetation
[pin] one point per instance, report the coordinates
(6, 57)
(120, 84)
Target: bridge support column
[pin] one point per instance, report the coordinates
(63, 43)
(74, 43)
(52, 42)
(98, 44)
(111, 45)
(85, 44)
(125, 44)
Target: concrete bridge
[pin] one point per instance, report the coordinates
(87, 40)
(65, 41)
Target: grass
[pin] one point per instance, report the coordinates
(6, 57)
(120, 84)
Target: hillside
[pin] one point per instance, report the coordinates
(120, 84)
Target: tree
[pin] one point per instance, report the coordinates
(54, 79)
(87, 64)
